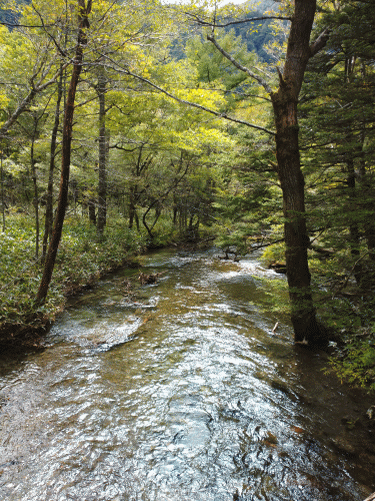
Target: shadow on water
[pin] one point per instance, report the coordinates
(180, 391)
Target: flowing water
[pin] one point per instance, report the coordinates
(179, 391)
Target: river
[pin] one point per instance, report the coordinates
(180, 391)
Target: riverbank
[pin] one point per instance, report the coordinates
(82, 260)
(29, 332)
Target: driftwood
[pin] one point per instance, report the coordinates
(152, 278)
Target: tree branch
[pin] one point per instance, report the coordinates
(235, 63)
(57, 45)
(320, 42)
(184, 101)
(202, 22)
(28, 99)
(340, 288)
(34, 26)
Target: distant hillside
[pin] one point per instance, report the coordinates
(256, 35)
(9, 17)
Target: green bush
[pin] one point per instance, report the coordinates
(273, 254)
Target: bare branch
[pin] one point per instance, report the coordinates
(235, 63)
(339, 289)
(320, 42)
(57, 45)
(202, 22)
(34, 26)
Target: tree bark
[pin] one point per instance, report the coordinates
(367, 199)
(285, 100)
(49, 201)
(2, 188)
(133, 215)
(354, 233)
(103, 153)
(35, 184)
(65, 154)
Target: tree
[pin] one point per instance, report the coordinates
(30, 62)
(284, 102)
(337, 143)
(83, 23)
(288, 167)
(53, 147)
(103, 151)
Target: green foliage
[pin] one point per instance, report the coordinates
(213, 66)
(257, 34)
(357, 362)
(81, 260)
(17, 260)
(247, 200)
(274, 253)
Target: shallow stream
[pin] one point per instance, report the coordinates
(180, 391)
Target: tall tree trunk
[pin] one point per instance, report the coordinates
(2, 188)
(367, 201)
(133, 215)
(295, 232)
(103, 153)
(49, 201)
(354, 233)
(369, 204)
(65, 154)
(92, 208)
(35, 184)
(306, 328)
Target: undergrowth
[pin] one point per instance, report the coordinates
(355, 361)
(344, 308)
(82, 258)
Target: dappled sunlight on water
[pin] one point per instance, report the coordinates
(177, 391)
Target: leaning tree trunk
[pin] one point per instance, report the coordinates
(65, 154)
(291, 178)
